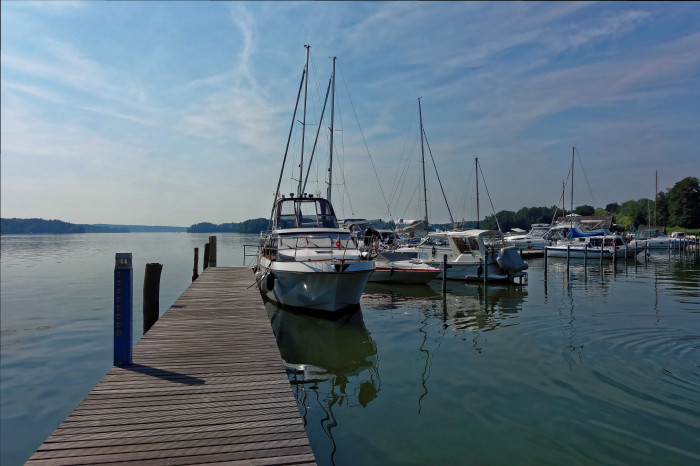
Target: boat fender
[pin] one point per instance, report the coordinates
(479, 270)
(270, 281)
(433, 251)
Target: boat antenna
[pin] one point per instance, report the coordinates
(303, 122)
(422, 161)
(330, 163)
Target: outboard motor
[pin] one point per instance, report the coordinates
(511, 263)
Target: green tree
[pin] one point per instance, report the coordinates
(684, 203)
(637, 211)
(612, 208)
(584, 210)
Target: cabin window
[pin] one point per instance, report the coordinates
(317, 241)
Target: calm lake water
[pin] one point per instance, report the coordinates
(596, 366)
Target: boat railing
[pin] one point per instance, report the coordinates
(288, 246)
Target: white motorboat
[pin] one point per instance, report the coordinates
(305, 260)
(532, 240)
(397, 267)
(653, 238)
(473, 255)
(592, 245)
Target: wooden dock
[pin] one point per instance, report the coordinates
(207, 386)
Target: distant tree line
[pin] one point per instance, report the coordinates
(255, 225)
(679, 207)
(25, 226)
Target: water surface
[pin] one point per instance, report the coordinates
(591, 366)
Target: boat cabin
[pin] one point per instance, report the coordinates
(477, 243)
(595, 242)
(303, 212)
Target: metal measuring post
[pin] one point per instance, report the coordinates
(123, 308)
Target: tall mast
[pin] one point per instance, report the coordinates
(303, 122)
(330, 163)
(476, 168)
(572, 180)
(422, 159)
(656, 195)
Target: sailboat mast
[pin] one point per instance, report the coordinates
(572, 180)
(476, 170)
(656, 196)
(330, 163)
(303, 122)
(422, 159)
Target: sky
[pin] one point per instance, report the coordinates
(175, 113)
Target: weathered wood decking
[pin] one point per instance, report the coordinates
(207, 385)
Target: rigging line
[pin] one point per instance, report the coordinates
(400, 174)
(467, 190)
(584, 174)
(410, 202)
(363, 138)
(318, 130)
(489, 195)
(342, 164)
(342, 172)
(286, 150)
(438, 177)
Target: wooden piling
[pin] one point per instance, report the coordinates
(212, 251)
(195, 272)
(444, 274)
(545, 264)
(151, 295)
(205, 262)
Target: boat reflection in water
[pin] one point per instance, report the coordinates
(464, 305)
(331, 363)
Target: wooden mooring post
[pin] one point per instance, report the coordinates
(195, 272)
(545, 264)
(212, 251)
(444, 274)
(205, 262)
(151, 295)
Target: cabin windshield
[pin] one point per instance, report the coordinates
(305, 213)
(317, 241)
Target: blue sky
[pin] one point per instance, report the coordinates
(172, 113)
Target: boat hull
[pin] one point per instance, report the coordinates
(588, 253)
(320, 286)
(659, 244)
(402, 275)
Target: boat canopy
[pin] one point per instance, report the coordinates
(577, 233)
(304, 212)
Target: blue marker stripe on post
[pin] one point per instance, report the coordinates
(123, 308)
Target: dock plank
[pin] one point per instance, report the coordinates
(207, 386)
